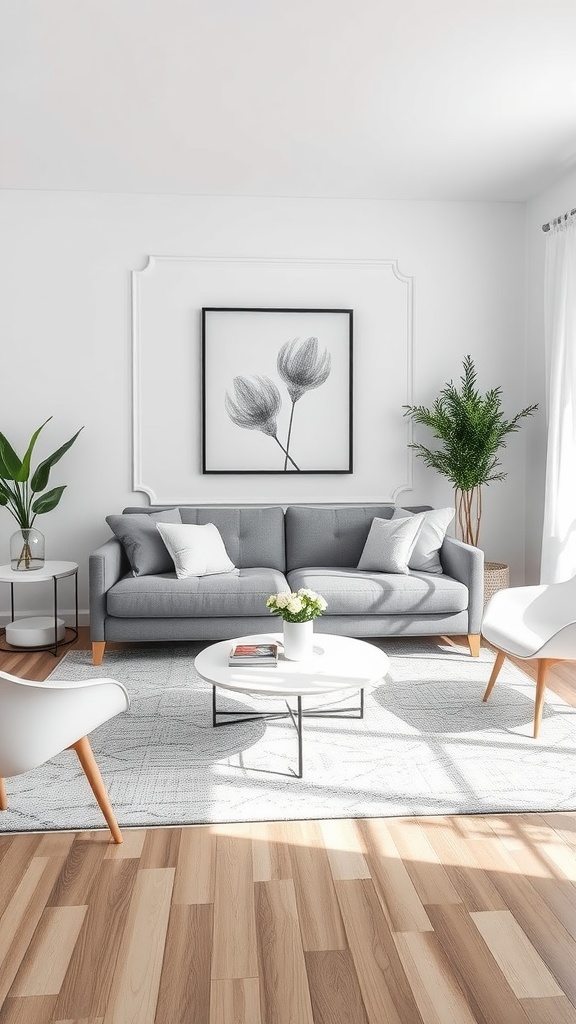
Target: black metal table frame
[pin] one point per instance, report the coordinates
(67, 629)
(236, 717)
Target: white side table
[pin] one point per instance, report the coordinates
(51, 571)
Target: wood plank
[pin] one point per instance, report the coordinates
(19, 921)
(436, 990)
(386, 994)
(284, 992)
(489, 995)
(401, 903)
(29, 1010)
(132, 846)
(554, 944)
(184, 996)
(423, 863)
(15, 863)
(235, 1001)
(471, 883)
(77, 875)
(345, 848)
(196, 866)
(549, 1011)
(88, 980)
(270, 851)
(334, 988)
(47, 958)
(160, 848)
(234, 953)
(318, 913)
(516, 957)
(136, 980)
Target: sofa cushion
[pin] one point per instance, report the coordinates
(253, 536)
(353, 592)
(164, 596)
(195, 550)
(389, 544)
(142, 543)
(335, 535)
(425, 553)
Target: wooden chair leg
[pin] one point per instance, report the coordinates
(3, 797)
(98, 648)
(92, 771)
(474, 644)
(500, 658)
(543, 666)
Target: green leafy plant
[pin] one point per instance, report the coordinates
(21, 488)
(471, 429)
(299, 606)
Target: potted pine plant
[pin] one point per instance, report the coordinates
(471, 429)
(23, 492)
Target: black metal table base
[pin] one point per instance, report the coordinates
(55, 646)
(297, 716)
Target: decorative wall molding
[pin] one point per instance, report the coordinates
(167, 296)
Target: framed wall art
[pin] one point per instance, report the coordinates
(276, 390)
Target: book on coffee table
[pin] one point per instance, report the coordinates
(254, 654)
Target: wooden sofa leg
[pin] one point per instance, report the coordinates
(98, 648)
(92, 772)
(474, 644)
(3, 797)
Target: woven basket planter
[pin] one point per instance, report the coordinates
(496, 577)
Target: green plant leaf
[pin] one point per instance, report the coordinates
(471, 429)
(24, 472)
(10, 464)
(46, 502)
(42, 473)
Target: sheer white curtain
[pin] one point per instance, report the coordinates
(559, 531)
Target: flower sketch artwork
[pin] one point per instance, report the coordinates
(277, 390)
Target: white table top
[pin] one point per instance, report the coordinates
(49, 571)
(338, 663)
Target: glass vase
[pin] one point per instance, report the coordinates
(298, 640)
(27, 550)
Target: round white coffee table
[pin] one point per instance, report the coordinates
(338, 663)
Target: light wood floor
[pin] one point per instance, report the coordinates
(440, 920)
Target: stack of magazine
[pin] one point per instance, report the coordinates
(254, 654)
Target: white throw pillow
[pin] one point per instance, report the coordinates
(196, 550)
(389, 544)
(425, 557)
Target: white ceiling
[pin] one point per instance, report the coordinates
(411, 99)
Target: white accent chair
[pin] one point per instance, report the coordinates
(532, 623)
(40, 719)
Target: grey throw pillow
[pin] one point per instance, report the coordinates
(425, 555)
(389, 544)
(144, 546)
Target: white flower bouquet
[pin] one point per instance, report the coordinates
(300, 606)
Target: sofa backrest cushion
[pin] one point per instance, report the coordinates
(253, 536)
(332, 535)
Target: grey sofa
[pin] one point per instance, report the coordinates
(277, 549)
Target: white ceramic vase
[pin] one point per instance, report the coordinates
(298, 640)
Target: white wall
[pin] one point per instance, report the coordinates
(549, 204)
(65, 263)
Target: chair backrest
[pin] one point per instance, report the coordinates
(38, 720)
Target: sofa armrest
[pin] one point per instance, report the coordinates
(106, 566)
(466, 564)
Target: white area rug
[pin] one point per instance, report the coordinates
(427, 745)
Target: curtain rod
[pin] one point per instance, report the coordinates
(546, 227)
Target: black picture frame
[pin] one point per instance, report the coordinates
(277, 390)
